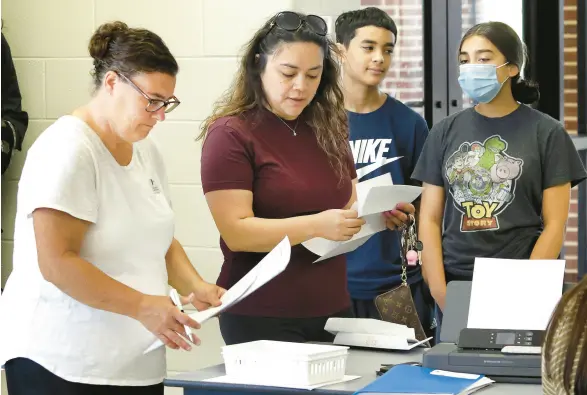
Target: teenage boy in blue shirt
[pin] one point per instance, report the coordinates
(386, 136)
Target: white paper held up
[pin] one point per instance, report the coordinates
(364, 186)
(374, 196)
(343, 247)
(268, 268)
(502, 299)
(329, 248)
(386, 197)
(379, 194)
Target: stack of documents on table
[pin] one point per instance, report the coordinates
(374, 197)
(269, 267)
(372, 333)
(269, 382)
(407, 379)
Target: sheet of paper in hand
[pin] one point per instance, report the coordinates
(268, 268)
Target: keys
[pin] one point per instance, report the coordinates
(411, 246)
(419, 248)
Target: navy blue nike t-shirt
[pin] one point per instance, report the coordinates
(387, 140)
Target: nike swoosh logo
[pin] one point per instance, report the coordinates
(363, 171)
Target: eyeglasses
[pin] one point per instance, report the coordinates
(292, 21)
(154, 105)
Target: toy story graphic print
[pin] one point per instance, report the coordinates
(482, 179)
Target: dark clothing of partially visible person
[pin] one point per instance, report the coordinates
(237, 328)
(26, 377)
(14, 120)
(387, 140)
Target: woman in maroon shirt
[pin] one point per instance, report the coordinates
(276, 162)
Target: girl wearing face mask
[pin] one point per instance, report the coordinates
(497, 177)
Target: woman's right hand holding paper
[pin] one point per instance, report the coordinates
(338, 225)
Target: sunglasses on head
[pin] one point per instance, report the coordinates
(292, 21)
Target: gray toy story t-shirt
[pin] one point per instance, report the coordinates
(494, 171)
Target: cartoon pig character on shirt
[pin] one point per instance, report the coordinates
(506, 169)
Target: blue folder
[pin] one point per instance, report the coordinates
(407, 379)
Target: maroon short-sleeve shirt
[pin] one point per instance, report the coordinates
(289, 176)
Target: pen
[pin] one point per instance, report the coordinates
(177, 301)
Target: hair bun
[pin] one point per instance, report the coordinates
(102, 38)
(525, 91)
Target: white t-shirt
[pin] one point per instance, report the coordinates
(69, 169)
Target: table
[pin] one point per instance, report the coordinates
(360, 362)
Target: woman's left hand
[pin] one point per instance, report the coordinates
(207, 295)
(399, 217)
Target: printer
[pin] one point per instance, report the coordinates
(511, 356)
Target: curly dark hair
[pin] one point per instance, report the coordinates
(325, 114)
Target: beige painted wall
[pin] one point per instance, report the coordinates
(49, 45)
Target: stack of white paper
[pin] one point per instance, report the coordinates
(372, 333)
(335, 325)
(271, 382)
(374, 196)
(270, 266)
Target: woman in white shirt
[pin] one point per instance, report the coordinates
(93, 247)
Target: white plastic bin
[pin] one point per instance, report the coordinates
(285, 362)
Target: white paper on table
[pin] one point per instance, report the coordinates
(370, 326)
(503, 298)
(268, 268)
(269, 383)
(479, 384)
(458, 375)
(381, 342)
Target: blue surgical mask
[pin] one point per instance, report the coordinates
(479, 81)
